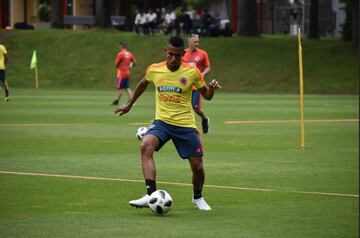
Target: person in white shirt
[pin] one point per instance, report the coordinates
(137, 21)
(169, 22)
(144, 23)
(152, 17)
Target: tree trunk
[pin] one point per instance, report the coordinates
(314, 20)
(102, 14)
(248, 25)
(355, 23)
(57, 18)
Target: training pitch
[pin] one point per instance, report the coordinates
(68, 168)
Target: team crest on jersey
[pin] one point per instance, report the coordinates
(197, 58)
(183, 81)
(161, 80)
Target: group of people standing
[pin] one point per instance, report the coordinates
(184, 23)
(180, 86)
(146, 22)
(163, 20)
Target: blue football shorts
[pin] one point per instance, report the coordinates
(122, 83)
(187, 140)
(2, 75)
(196, 99)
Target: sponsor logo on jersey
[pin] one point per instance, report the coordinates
(169, 98)
(172, 89)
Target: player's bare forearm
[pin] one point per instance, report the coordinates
(206, 70)
(208, 91)
(140, 88)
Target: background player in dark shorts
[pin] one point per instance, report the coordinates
(3, 63)
(124, 61)
(200, 59)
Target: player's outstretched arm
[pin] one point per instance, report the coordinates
(140, 88)
(208, 91)
(206, 70)
(134, 62)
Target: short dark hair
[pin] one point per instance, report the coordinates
(176, 41)
(123, 44)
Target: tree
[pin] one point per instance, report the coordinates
(350, 30)
(248, 25)
(355, 23)
(102, 14)
(199, 4)
(44, 12)
(314, 20)
(57, 18)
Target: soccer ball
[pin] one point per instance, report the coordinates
(160, 202)
(140, 132)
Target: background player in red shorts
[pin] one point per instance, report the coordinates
(123, 61)
(199, 58)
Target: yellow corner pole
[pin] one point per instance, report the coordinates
(36, 77)
(302, 121)
(33, 65)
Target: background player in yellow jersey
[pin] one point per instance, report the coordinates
(174, 118)
(3, 62)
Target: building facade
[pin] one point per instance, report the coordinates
(285, 16)
(274, 16)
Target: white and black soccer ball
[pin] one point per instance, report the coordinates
(160, 202)
(140, 132)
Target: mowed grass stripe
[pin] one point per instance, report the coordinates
(146, 123)
(179, 184)
(290, 121)
(46, 124)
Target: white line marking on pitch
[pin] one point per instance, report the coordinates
(139, 123)
(179, 184)
(46, 124)
(290, 121)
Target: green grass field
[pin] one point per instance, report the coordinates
(267, 64)
(267, 186)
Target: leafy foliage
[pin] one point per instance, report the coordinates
(44, 12)
(347, 26)
(199, 4)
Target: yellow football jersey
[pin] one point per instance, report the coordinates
(174, 92)
(2, 57)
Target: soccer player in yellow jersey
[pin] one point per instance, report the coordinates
(3, 62)
(174, 118)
